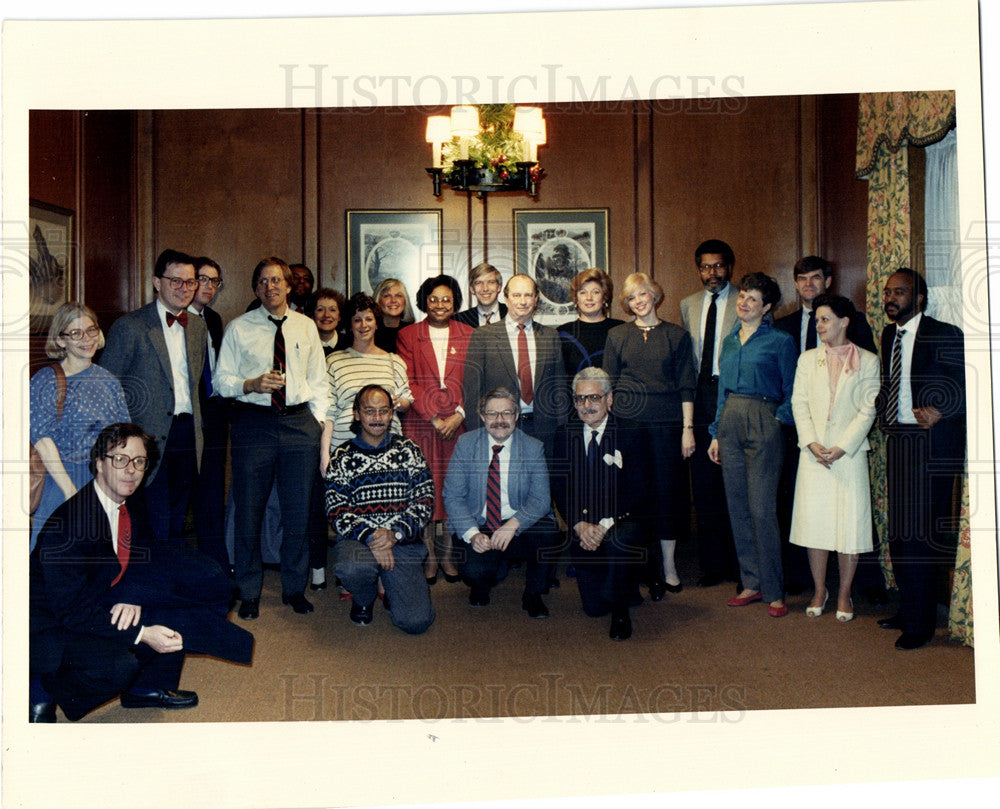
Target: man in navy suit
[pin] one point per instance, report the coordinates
(209, 496)
(496, 493)
(158, 354)
(922, 412)
(485, 283)
(598, 476)
(113, 612)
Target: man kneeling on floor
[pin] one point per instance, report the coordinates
(379, 497)
(112, 610)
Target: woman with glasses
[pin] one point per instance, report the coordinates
(91, 399)
(583, 339)
(651, 366)
(434, 353)
(394, 307)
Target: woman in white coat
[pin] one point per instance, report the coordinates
(833, 402)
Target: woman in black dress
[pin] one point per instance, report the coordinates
(651, 366)
(583, 339)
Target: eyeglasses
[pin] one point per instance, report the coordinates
(376, 411)
(719, 265)
(495, 414)
(120, 461)
(178, 283)
(76, 335)
(208, 281)
(439, 300)
(270, 282)
(590, 398)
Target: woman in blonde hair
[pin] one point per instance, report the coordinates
(395, 310)
(651, 366)
(93, 399)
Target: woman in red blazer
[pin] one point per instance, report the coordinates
(434, 352)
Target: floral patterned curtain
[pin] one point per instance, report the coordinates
(887, 123)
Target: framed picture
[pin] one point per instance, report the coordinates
(50, 262)
(552, 246)
(392, 244)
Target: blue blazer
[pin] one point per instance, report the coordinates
(465, 482)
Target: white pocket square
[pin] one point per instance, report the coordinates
(615, 459)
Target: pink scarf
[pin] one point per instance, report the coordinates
(840, 359)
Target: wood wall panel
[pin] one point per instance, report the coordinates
(228, 184)
(52, 159)
(725, 175)
(843, 200)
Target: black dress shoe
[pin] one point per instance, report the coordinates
(673, 588)
(479, 598)
(535, 606)
(298, 602)
(160, 698)
(42, 712)
(657, 590)
(361, 614)
(621, 625)
(250, 609)
(912, 640)
(891, 623)
(451, 578)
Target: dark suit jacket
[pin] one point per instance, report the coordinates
(465, 483)
(490, 363)
(470, 317)
(72, 568)
(937, 379)
(618, 492)
(858, 331)
(213, 321)
(136, 353)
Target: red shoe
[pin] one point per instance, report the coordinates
(777, 612)
(742, 601)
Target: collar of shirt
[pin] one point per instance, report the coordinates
(111, 511)
(588, 430)
(512, 325)
(494, 309)
(722, 296)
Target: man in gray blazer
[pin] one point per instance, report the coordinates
(158, 354)
(525, 358)
(709, 316)
(496, 493)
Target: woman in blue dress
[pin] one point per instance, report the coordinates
(94, 399)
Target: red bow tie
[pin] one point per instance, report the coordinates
(181, 318)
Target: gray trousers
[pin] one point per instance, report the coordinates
(751, 449)
(406, 590)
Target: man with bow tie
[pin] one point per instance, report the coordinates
(158, 353)
(598, 475)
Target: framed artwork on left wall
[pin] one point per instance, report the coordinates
(401, 244)
(51, 262)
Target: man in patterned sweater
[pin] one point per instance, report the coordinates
(379, 497)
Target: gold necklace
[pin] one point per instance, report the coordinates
(646, 329)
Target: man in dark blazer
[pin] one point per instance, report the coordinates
(598, 476)
(496, 494)
(209, 495)
(521, 356)
(813, 276)
(485, 283)
(112, 611)
(716, 551)
(158, 354)
(922, 412)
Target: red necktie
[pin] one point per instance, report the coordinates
(524, 365)
(493, 492)
(124, 540)
(181, 317)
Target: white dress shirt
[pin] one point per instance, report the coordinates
(248, 351)
(905, 388)
(720, 308)
(177, 351)
(506, 512)
(512, 335)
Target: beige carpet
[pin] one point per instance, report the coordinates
(689, 653)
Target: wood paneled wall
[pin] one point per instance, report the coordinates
(773, 176)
